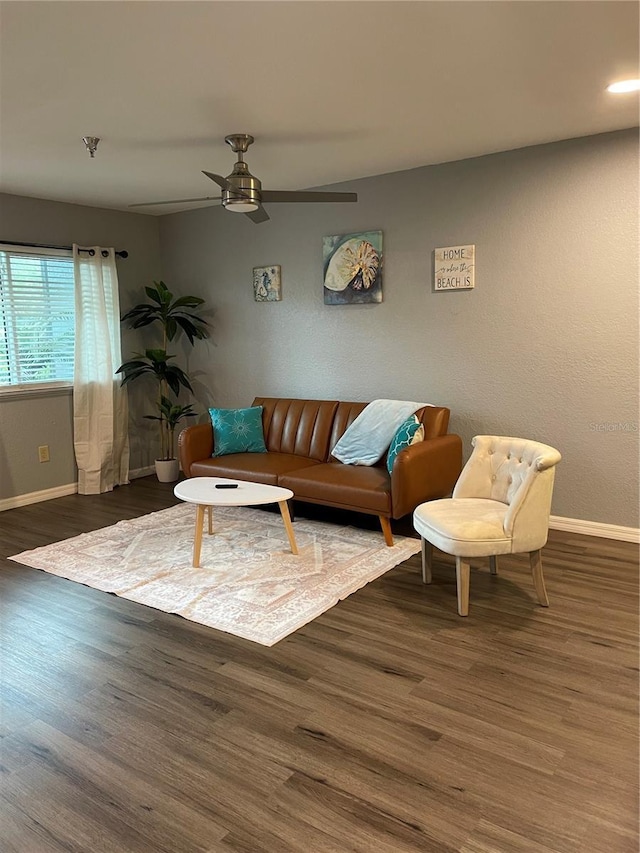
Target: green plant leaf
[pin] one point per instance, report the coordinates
(157, 355)
(175, 377)
(130, 365)
(171, 328)
(152, 293)
(187, 302)
(193, 328)
(134, 374)
(164, 293)
(139, 312)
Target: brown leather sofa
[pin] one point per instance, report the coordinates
(299, 435)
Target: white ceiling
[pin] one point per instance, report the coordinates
(332, 91)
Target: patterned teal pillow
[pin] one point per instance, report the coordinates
(408, 433)
(237, 431)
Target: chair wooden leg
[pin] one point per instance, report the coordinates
(463, 569)
(493, 565)
(385, 523)
(427, 554)
(535, 560)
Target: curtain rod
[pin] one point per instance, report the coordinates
(122, 254)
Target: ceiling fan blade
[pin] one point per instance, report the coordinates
(258, 216)
(293, 196)
(220, 181)
(176, 201)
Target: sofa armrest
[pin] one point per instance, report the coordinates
(194, 443)
(425, 471)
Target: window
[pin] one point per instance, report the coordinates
(37, 323)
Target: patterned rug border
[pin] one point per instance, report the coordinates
(221, 591)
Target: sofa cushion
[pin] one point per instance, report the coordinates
(367, 439)
(237, 431)
(257, 467)
(408, 433)
(364, 489)
(300, 427)
(345, 415)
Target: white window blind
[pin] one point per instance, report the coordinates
(37, 323)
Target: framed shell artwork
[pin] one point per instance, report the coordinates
(352, 268)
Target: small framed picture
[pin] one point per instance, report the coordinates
(454, 268)
(266, 284)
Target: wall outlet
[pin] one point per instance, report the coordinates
(43, 453)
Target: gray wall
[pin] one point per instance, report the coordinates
(546, 346)
(27, 423)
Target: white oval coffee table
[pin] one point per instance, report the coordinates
(202, 492)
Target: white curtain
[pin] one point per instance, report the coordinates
(100, 414)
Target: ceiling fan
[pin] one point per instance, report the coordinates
(243, 193)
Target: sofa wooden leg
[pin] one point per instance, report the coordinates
(535, 560)
(427, 555)
(385, 523)
(463, 569)
(493, 565)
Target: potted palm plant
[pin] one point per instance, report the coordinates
(170, 415)
(174, 316)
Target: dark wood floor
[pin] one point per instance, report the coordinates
(387, 725)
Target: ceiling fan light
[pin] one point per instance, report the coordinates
(243, 206)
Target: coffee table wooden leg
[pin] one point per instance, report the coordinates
(197, 538)
(284, 511)
(209, 511)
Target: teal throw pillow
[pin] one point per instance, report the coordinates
(408, 433)
(237, 431)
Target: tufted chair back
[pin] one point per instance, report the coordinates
(519, 473)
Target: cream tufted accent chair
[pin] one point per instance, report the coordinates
(500, 505)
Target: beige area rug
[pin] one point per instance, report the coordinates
(249, 583)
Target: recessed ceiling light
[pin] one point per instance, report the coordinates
(624, 86)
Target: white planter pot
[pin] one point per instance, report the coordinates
(167, 470)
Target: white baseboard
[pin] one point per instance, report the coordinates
(136, 473)
(595, 528)
(36, 497)
(60, 491)
(556, 522)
